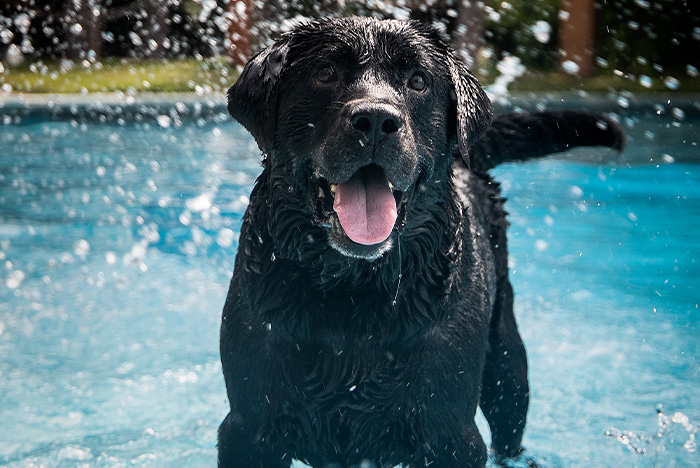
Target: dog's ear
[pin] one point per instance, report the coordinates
(473, 107)
(252, 100)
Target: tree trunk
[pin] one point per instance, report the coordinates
(239, 32)
(577, 37)
(83, 23)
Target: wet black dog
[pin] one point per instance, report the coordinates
(370, 310)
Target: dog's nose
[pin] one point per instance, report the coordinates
(376, 120)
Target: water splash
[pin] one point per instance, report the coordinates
(542, 31)
(675, 433)
(510, 69)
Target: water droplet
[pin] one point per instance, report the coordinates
(14, 56)
(273, 257)
(575, 191)
(570, 67)
(541, 245)
(185, 218)
(135, 39)
(200, 203)
(671, 83)
(5, 35)
(164, 121)
(225, 237)
(152, 44)
(22, 21)
(646, 81)
(111, 258)
(677, 113)
(542, 31)
(14, 279)
(76, 28)
(81, 248)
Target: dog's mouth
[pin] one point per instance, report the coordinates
(364, 208)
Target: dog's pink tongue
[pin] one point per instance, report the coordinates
(366, 207)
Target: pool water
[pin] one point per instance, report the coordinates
(117, 240)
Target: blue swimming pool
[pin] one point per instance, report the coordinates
(118, 230)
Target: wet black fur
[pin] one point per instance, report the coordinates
(379, 357)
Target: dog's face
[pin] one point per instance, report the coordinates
(356, 118)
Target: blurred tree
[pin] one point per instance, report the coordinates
(155, 27)
(460, 21)
(137, 28)
(270, 18)
(525, 29)
(648, 36)
(122, 28)
(468, 36)
(633, 37)
(31, 27)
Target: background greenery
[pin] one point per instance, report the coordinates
(640, 44)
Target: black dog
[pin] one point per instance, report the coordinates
(370, 310)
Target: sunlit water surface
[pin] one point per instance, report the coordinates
(117, 240)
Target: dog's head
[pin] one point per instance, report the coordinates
(360, 116)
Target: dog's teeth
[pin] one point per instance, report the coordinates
(391, 186)
(320, 193)
(334, 187)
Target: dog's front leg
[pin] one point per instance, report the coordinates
(239, 449)
(466, 451)
(505, 392)
(245, 359)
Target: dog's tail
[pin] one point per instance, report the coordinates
(523, 136)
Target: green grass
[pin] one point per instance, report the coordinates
(216, 75)
(552, 81)
(174, 75)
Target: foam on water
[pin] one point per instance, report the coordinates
(117, 245)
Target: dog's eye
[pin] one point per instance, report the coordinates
(417, 82)
(325, 75)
